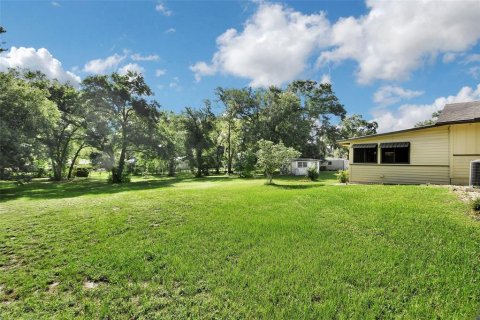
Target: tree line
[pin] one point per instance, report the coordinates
(113, 118)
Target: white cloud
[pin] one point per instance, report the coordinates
(397, 37)
(175, 83)
(470, 58)
(37, 60)
(133, 67)
(202, 69)
(273, 47)
(160, 7)
(449, 57)
(326, 79)
(407, 115)
(170, 30)
(103, 65)
(388, 95)
(55, 4)
(474, 72)
(139, 57)
(160, 72)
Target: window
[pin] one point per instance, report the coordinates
(329, 163)
(301, 164)
(365, 153)
(395, 152)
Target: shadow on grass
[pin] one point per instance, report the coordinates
(294, 186)
(58, 190)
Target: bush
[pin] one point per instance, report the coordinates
(476, 204)
(41, 173)
(323, 168)
(342, 176)
(245, 164)
(312, 174)
(82, 172)
(125, 176)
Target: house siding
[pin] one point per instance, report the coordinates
(429, 159)
(465, 146)
(401, 174)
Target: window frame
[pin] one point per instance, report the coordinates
(363, 147)
(302, 166)
(395, 147)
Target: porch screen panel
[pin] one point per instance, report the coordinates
(395, 152)
(365, 153)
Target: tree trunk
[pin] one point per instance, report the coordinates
(269, 178)
(171, 167)
(217, 163)
(57, 170)
(72, 164)
(199, 163)
(229, 154)
(121, 164)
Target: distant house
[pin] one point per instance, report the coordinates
(334, 164)
(299, 166)
(439, 154)
(182, 164)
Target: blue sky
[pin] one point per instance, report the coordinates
(395, 62)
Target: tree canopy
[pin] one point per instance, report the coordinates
(114, 122)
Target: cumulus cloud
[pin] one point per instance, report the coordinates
(170, 30)
(99, 66)
(201, 68)
(37, 60)
(407, 115)
(160, 72)
(388, 95)
(273, 47)
(391, 41)
(397, 37)
(133, 67)
(139, 57)
(160, 7)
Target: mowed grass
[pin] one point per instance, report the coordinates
(227, 248)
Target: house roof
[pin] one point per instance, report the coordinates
(305, 159)
(460, 112)
(463, 112)
(345, 141)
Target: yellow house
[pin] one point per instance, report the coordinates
(437, 154)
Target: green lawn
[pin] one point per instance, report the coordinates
(229, 248)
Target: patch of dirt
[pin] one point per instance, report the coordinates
(90, 284)
(466, 194)
(52, 286)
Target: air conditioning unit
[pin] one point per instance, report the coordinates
(475, 173)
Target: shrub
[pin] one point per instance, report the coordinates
(312, 174)
(323, 168)
(41, 173)
(245, 164)
(82, 172)
(125, 176)
(342, 176)
(476, 204)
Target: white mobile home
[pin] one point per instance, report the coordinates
(299, 166)
(334, 164)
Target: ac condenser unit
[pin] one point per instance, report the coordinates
(475, 173)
